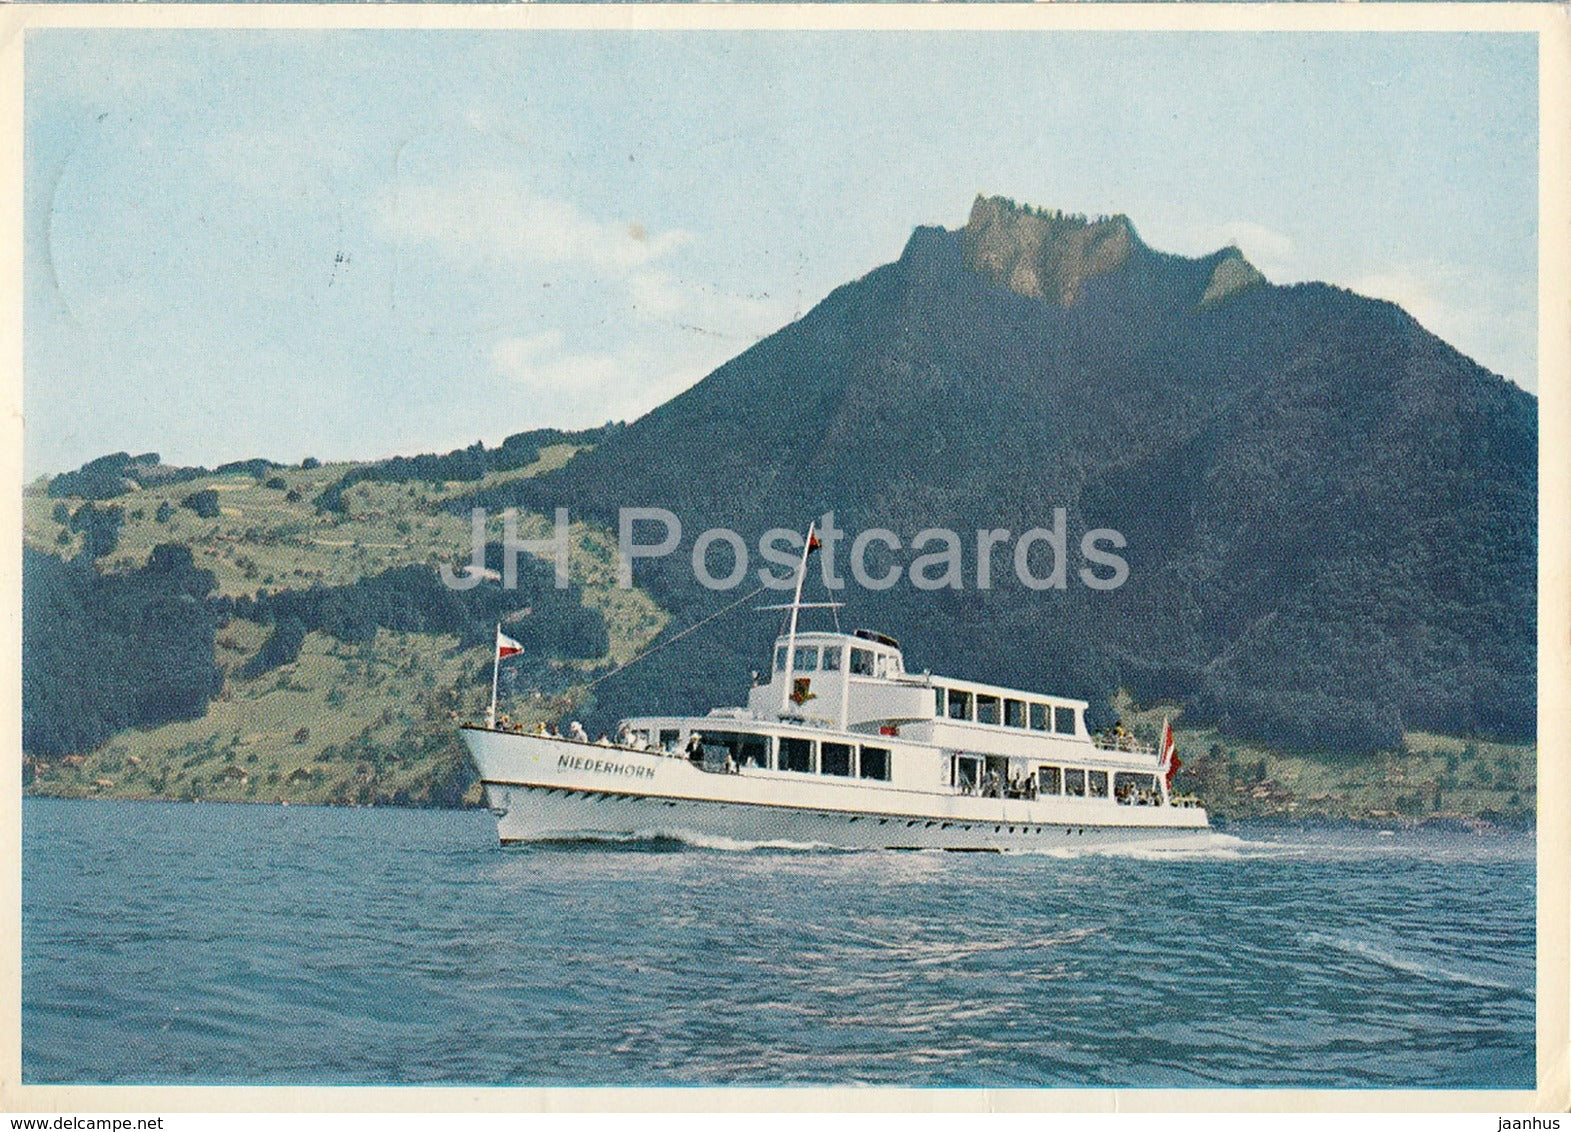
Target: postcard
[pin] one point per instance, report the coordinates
(995, 557)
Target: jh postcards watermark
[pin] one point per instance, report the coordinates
(875, 558)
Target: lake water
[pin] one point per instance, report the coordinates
(227, 944)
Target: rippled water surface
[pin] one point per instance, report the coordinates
(204, 943)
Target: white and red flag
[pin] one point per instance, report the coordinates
(1169, 762)
(505, 645)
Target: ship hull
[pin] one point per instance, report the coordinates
(547, 789)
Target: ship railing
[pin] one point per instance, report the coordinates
(1124, 745)
(509, 727)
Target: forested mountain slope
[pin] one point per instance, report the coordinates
(1330, 513)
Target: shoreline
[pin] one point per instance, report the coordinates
(1487, 822)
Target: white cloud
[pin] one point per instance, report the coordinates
(1474, 311)
(1275, 253)
(491, 216)
(1415, 292)
(588, 388)
(536, 361)
(1487, 317)
(699, 310)
(491, 208)
(656, 295)
(1271, 251)
(519, 358)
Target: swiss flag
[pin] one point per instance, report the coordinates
(505, 645)
(1169, 762)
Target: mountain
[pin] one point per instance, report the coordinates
(1330, 519)
(1330, 513)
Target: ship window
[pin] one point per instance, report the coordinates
(669, 738)
(1134, 789)
(1050, 780)
(1039, 717)
(938, 702)
(1096, 783)
(1014, 713)
(959, 704)
(875, 763)
(1064, 720)
(1075, 783)
(806, 658)
(832, 658)
(987, 709)
(755, 752)
(737, 747)
(968, 773)
(861, 662)
(836, 759)
(797, 755)
(780, 658)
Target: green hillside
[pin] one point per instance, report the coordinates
(274, 537)
(372, 723)
(363, 723)
(1430, 777)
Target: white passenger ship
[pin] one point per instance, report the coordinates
(843, 746)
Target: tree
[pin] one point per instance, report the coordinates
(204, 503)
(281, 647)
(100, 528)
(104, 652)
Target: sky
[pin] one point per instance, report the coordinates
(357, 243)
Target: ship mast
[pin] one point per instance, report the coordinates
(796, 608)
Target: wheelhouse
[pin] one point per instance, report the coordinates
(859, 681)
